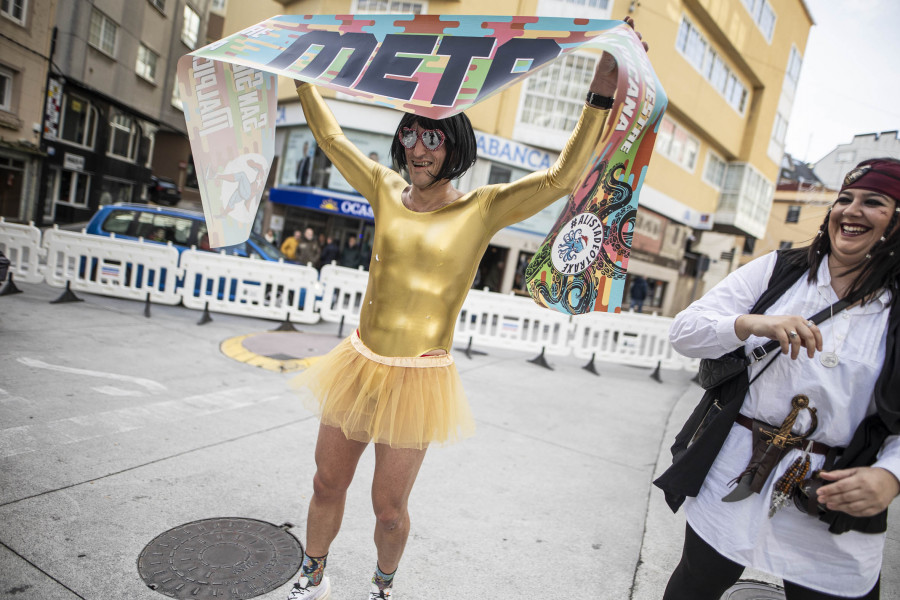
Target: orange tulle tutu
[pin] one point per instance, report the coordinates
(404, 402)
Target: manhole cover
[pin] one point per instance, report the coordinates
(753, 590)
(220, 558)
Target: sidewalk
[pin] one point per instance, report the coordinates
(115, 428)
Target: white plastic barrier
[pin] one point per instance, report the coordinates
(111, 267)
(513, 322)
(343, 291)
(249, 287)
(627, 338)
(21, 244)
(255, 288)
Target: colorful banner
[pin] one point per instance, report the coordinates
(229, 110)
(581, 265)
(435, 66)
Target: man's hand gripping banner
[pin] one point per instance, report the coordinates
(434, 66)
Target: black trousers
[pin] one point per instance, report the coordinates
(704, 574)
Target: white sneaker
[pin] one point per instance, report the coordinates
(304, 591)
(377, 594)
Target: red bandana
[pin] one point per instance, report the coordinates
(876, 175)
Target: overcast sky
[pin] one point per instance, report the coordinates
(850, 81)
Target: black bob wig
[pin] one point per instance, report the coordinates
(459, 141)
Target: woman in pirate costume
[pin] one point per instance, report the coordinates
(392, 382)
(826, 416)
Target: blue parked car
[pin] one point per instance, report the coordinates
(184, 228)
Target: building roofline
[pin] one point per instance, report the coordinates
(878, 134)
(807, 11)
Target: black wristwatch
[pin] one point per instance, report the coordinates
(598, 101)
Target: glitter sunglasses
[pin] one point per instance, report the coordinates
(432, 139)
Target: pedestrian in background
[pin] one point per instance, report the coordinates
(351, 255)
(329, 253)
(308, 249)
(638, 293)
(289, 246)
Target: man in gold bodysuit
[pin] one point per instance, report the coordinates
(392, 382)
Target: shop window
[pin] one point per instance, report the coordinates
(74, 188)
(12, 163)
(53, 176)
(519, 282)
(190, 174)
(656, 293)
(103, 33)
(499, 174)
(12, 173)
(116, 191)
(148, 141)
(490, 270)
(79, 121)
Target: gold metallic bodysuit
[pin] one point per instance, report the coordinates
(423, 263)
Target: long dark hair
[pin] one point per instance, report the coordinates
(459, 140)
(879, 271)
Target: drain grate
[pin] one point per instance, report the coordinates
(753, 590)
(232, 558)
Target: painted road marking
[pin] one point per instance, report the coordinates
(110, 390)
(148, 384)
(43, 436)
(234, 348)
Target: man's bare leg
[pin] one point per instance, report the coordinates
(395, 473)
(336, 460)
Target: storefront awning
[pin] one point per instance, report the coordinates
(326, 201)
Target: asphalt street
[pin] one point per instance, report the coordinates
(116, 427)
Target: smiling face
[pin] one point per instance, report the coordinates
(424, 164)
(858, 219)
